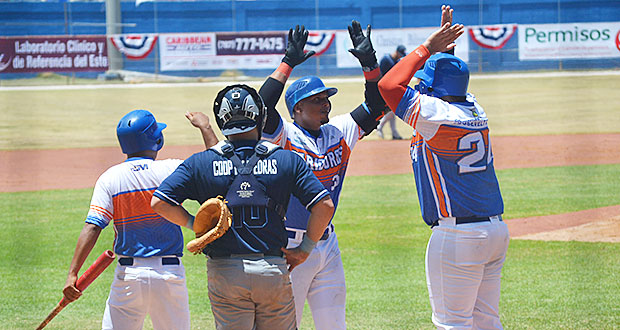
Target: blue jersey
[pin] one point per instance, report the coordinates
(209, 173)
(452, 157)
(122, 195)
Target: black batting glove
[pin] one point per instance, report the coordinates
(294, 54)
(362, 46)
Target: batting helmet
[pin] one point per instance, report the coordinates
(443, 74)
(305, 87)
(138, 131)
(239, 109)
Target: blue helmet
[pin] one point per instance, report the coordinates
(138, 131)
(305, 87)
(239, 109)
(443, 74)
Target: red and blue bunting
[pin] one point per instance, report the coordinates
(492, 36)
(319, 41)
(135, 47)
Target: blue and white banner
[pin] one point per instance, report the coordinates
(492, 36)
(135, 47)
(319, 41)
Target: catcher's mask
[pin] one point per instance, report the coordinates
(239, 109)
(139, 131)
(443, 74)
(303, 88)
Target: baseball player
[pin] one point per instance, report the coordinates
(249, 283)
(325, 145)
(149, 277)
(385, 64)
(457, 188)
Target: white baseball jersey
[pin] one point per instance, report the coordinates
(327, 156)
(452, 157)
(123, 194)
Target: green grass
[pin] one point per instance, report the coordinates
(546, 285)
(87, 118)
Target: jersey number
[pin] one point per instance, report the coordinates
(471, 141)
(335, 182)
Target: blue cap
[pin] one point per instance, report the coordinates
(443, 74)
(303, 88)
(139, 131)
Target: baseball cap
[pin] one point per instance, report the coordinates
(401, 50)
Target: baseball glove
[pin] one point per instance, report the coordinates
(211, 222)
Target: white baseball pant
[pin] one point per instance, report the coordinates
(148, 287)
(463, 272)
(320, 280)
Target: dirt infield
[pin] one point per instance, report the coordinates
(29, 170)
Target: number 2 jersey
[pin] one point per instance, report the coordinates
(327, 156)
(452, 157)
(122, 195)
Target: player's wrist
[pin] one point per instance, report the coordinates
(373, 74)
(190, 222)
(285, 69)
(307, 244)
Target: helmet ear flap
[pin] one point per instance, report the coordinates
(423, 88)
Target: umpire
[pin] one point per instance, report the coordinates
(249, 284)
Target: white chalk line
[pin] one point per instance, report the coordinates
(524, 75)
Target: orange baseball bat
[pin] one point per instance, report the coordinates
(104, 260)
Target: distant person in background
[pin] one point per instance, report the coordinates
(386, 63)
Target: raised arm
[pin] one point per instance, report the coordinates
(367, 114)
(394, 84)
(274, 85)
(201, 121)
(446, 17)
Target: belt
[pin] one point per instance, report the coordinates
(128, 261)
(293, 233)
(463, 220)
(224, 255)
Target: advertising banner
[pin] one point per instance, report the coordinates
(385, 41)
(186, 51)
(221, 51)
(53, 54)
(569, 41)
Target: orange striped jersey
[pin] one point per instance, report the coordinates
(327, 156)
(122, 195)
(452, 157)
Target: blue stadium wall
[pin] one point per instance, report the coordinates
(75, 18)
